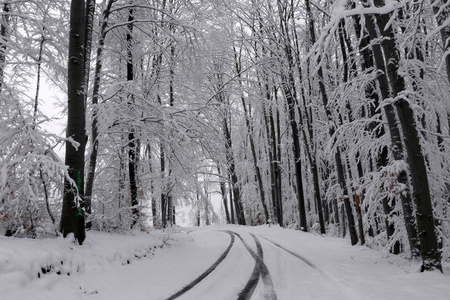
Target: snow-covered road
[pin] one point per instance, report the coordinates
(226, 262)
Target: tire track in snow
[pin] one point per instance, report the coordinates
(343, 287)
(206, 273)
(260, 271)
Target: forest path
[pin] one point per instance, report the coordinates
(278, 273)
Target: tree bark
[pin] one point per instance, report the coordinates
(431, 257)
(94, 122)
(232, 171)
(441, 9)
(132, 145)
(305, 117)
(4, 40)
(162, 158)
(382, 158)
(72, 216)
(331, 125)
(223, 192)
(288, 86)
(252, 144)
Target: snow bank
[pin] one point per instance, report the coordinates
(38, 265)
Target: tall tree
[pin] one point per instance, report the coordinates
(430, 253)
(290, 94)
(132, 141)
(94, 142)
(238, 66)
(72, 216)
(4, 27)
(331, 128)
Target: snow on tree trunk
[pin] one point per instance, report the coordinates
(72, 217)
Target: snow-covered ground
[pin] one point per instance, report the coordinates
(157, 265)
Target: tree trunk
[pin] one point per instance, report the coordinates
(288, 86)
(441, 9)
(431, 257)
(396, 142)
(170, 157)
(223, 192)
(4, 40)
(382, 158)
(90, 11)
(162, 158)
(232, 211)
(306, 116)
(72, 216)
(132, 145)
(94, 125)
(229, 156)
(273, 147)
(155, 216)
(331, 125)
(234, 180)
(252, 144)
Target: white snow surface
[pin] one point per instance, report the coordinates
(158, 264)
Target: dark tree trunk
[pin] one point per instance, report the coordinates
(382, 158)
(288, 86)
(338, 159)
(396, 142)
(170, 212)
(273, 188)
(234, 180)
(276, 148)
(252, 144)
(441, 9)
(273, 152)
(223, 192)
(229, 156)
(162, 157)
(72, 216)
(132, 145)
(349, 69)
(232, 210)
(5, 19)
(356, 201)
(308, 138)
(430, 253)
(94, 126)
(90, 9)
(155, 216)
(169, 197)
(273, 147)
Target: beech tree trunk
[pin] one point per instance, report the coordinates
(339, 164)
(431, 257)
(252, 144)
(396, 142)
(4, 40)
(132, 144)
(441, 10)
(72, 216)
(288, 86)
(94, 122)
(223, 192)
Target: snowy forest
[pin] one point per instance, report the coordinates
(330, 117)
